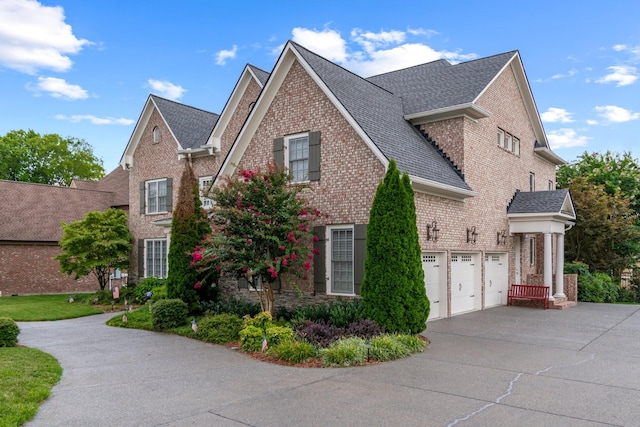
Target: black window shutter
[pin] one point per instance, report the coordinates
(142, 198)
(359, 254)
(278, 151)
(140, 258)
(169, 194)
(314, 156)
(319, 261)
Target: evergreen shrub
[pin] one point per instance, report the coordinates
(168, 313)
(8, 332)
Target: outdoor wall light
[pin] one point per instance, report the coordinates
(472, 235)
(432, 231)
(502, 237)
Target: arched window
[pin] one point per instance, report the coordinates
(156, 135)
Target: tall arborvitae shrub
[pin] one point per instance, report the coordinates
(393, 291)
(189, 225)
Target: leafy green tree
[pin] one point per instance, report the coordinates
(393, 291)
(606, 192)
(617, 174)
(189, 226)
(605, 236)
(47, 159)
(98, 244)
(261, 231)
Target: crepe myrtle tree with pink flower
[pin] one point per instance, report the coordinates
(261, 231)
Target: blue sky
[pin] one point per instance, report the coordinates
(85, 68)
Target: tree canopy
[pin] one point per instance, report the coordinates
(98, 244)
(605, 189)
(47, 159)
(261, 231)
(393, 290)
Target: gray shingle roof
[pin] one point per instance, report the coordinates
(380, 114)
(538, 202)
(439, 84)
(191, 126)
(260, 74)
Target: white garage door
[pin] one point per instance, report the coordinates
(435, 279)
(496, 279)
(465, 295)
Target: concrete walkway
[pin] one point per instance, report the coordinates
(507, 366)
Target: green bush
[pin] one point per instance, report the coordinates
(158, 293)
(388, 347)
(257, 327)
(220, 328)
(345, 352)
(168, 313)
(414, 343)
(145, 286)
(593, 287)
(293, 351)
(342, 313)
(232, 305)
(8, 332)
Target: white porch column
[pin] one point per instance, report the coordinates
(548, 264)
(559, 266)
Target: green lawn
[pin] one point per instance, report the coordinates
(26, 378)
(43, 307)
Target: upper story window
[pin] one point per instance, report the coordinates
(508, 142)
(296, 155)
(205, 183)
(156, 196)
(532, 181)
(300, 154)
(156, 135)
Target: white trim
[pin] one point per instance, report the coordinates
(146, 197)
(442, 190)
(146, 255)
(469, 110)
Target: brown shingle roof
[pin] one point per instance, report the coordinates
(35, 212)
(117, 182)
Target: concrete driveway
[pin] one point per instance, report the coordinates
(506, 366)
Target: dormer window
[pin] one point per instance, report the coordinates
(156, 135)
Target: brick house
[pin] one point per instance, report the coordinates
(31, 227)
(469, 136)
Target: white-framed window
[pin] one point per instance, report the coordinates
(156, 192)
(532, 251)
(156, 135)
(532, 181)
(296, 156)
(155, 257)
(508, 142)
(205, 183)
(340, 262)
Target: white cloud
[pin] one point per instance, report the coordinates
(376, 52)
(167, 89)
(592, 122)
(224, 55)
(569, 73)
(566, 138)
(59, 88)
(556, 115)
(615, 114)
(622, 75)
(327, 43)
(422, 32)
(34, 36)
(76, 118)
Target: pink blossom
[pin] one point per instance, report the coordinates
(304, 211)
(316, 251)
(282, 247)
(196, 256)
(285, 261)
(198, 285)
(291, 237)
(317, 212)
(310, 256)
(293, 256)
(307, 265)
(315, 238)
(249, 242)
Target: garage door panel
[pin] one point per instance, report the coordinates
(496, 280)
(463, 283)
(433, 276)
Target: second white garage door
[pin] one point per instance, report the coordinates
(465, 280)
(496, 279)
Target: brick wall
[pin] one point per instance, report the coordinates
(27, 269)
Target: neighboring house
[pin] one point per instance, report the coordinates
(469, 136)
(31, 218)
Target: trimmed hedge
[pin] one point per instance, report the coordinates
(8, 332)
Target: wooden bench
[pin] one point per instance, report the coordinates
(529, 292)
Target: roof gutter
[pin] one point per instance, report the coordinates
(471, 110)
